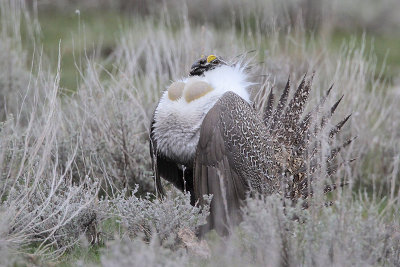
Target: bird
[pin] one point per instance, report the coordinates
(208, 137)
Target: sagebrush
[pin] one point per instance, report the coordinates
(70, 161)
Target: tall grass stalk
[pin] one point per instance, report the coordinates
(70, 163)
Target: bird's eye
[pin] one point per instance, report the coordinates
(202, 61)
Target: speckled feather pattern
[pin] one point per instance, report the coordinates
(230, 148)
(177, 123)
(245, 135)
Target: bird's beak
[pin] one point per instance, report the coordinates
(195, 65)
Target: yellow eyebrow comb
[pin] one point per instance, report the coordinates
(210, 58)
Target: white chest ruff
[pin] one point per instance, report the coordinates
(177, 123)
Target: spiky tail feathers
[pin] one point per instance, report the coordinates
(301, 154)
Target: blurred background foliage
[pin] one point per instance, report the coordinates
(85, 25)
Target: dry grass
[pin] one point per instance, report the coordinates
(69, 162)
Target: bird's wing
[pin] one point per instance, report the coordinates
(227, 159)
(167, 169)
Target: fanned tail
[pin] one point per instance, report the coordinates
(297, 140)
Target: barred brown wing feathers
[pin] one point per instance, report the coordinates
(214, 174)
(231, 159)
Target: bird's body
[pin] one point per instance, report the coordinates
(207, 138)
(177, 122)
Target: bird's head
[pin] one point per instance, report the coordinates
(205, 64)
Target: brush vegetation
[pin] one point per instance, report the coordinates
(76, 185)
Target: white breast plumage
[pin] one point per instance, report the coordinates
(181, 110)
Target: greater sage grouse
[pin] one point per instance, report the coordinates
(207, 137)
